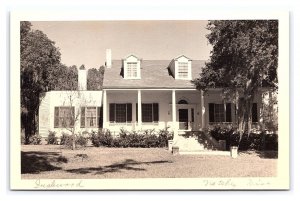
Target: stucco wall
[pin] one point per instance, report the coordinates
(66, 98)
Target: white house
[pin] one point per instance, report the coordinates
(138, 95)
(61, 111)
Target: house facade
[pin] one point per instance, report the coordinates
(139, 95)
(155, 94)
(66, 111)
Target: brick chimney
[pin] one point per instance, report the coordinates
(108, 58)
(82, 78)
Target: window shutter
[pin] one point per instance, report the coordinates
(155, 112)
(254, 113)
(129, 112)
(193, 117)
(136, 112)
(112, 108)
(211, 112)
(100, 117)
(56, 117)
(72, 116)
(228, 112)
(82, 118)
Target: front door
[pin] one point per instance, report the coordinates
(183, 119)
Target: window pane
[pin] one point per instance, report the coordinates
(182, 69)
(219, 113)
(91, 114)
(132, 69)
(147, 113)
(66, 116)
(120, 112)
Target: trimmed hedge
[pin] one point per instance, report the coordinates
(254, 141)
(147, 138)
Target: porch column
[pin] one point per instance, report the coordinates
(202, 110)
(174, 112)
(139, 109)
(104, 106)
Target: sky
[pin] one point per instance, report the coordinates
(85, 42)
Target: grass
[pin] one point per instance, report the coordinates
(55, 162)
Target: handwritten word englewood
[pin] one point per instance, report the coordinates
(54, 184)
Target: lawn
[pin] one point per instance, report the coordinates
(55, 162)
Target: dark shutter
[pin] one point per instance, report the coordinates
(112, 108)
(82, 118)
(228, 112)
(56, 117)
(100, 117)
(129, 112)
(211, 107)
(155, 112)
(136, 112)
(254, 113)
(193, 118)
(72, 116)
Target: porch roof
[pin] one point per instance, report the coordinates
(154, 74)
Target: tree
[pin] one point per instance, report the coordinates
(95, 78)
(39, 57)
(244, 59)
(64, 78)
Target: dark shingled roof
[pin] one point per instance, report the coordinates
(154, 74)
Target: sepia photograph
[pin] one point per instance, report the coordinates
(162, 101)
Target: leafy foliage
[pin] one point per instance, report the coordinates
(52, 139)
(254, 141)
(148, 138)
(39, 57)
(95, 78)
(244, 58)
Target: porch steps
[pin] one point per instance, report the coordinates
(198, 143)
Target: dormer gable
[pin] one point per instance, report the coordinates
(132, 67)
(182, 68)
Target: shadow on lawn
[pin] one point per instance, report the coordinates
(35, 162)
(116, 167)
(268, 154)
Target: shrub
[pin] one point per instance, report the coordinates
(102, 138)
(253, 141)
(80, 140)
(52, 139)
(147, 138)
(35, 139)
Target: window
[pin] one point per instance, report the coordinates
(64, 117)
(120, 113)
(219, 113)
(183, 70)
(150, 112)
(132, 69)
(90, 117)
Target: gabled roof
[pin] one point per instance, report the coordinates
(182, 55)
(130, 56)
(154, 74)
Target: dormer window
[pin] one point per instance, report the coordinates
(132, 67)
(182, 68)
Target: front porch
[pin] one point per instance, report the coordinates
(179, 110)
